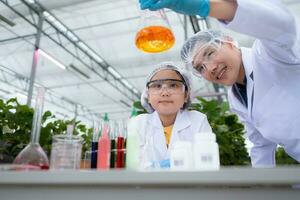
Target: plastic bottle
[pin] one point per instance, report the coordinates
(180, 156)
(206, 152)
(104, 146)
(132, 146)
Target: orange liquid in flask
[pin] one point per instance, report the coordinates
(154, 39)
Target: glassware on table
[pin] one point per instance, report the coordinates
(120, 145)
(103, 159)
(94, 146)
(87, 161)
(112, 135)
(66, 152)
(155, 34)
(33, 156)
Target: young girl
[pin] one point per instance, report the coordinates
(166, 98)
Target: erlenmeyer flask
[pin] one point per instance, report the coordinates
(155, 34)
(33, 156)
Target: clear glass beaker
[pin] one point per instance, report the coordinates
(66, 152)
(155, 34)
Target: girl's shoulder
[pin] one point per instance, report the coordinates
(141, 117)
(195, 117)
(195, 114)
(148, 119)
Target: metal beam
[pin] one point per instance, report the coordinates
(78, 76)
(14, 39)
(53, 4)
(79, 49)
(35, 59)
(185, 27)
(7, 21)
(195, 23)
(17, 81)
(91, 82)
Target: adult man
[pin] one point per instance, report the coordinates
(264, 80)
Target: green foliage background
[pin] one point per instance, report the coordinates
(15, 129)
(229, 131)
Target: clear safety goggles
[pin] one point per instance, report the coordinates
(204, 56)
(173, 86)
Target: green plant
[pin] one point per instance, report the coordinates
(282, 158)
(229, 131)
(139, 108)
(15, 127)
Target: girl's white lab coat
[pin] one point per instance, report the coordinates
(273, 113)
(151, 134)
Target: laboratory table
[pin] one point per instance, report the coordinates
(228, 183)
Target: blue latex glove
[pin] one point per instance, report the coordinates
(187, 7)
(162, 164)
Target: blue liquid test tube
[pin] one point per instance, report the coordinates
(94, 155)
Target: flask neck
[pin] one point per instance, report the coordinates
(37, 117)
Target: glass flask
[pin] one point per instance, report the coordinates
(155, 34)
(33, 156)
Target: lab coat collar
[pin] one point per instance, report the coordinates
(236, 105)
(181, 122)
(154, 120)
(248, 66)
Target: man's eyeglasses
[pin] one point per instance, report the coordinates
(204, 56)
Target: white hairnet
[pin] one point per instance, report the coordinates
(167, 66)
(198, 41)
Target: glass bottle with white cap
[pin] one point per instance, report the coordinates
(206, 152)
